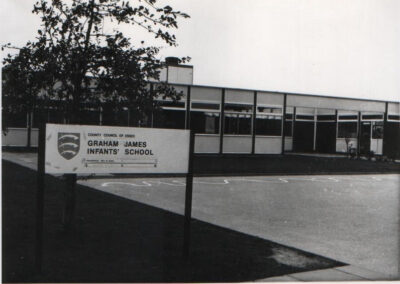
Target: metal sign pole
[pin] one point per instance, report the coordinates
(188, 199)
(70, 200)
(40, 198)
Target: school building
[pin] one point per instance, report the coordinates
(241, 121)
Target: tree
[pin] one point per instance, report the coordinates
(75, 61)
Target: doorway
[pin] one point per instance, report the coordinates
(365, 141)
(326, 137)
(303, 136)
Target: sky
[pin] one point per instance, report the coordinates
(341, 48)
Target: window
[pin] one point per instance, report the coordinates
(377, 130)
(289, 116)
(288, 128)
(237, 124)
(393, 117)
(203, 105)
(288, 125)
(274, 110)
(204, 122)
(231, 107)
(171, 104)
(326, 117)
(238, 119)
(268, 125)
(304, 117)
(171, 115)
(205, 117)
(372, 116)
(173, 119)
(348, 117)
(347, 130)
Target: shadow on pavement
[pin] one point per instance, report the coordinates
(119, 240)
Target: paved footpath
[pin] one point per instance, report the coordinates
(376, 226)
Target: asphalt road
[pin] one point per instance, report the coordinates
(350, 218)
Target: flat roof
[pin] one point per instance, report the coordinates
(280, 92)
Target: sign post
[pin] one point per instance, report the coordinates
(69, 201)
(40, 198)
(188, 200)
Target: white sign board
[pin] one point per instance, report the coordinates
(104, 149)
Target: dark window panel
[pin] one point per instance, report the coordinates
(305, 117)
(394, 117)
(172, 119)
(372, 116)
(269, 109)
(289, 116)
(205, 106)
(377, 130)
(237, 124)
(348, 117)
(238, 107)
(288, 128)
(347, 130)
(204, 122)
(178, 104)
(326, 117)
(267, 126)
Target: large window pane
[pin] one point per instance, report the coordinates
(204, 122)
(347, 130)
(232, 107)
(205, 105)
(173, 119)
(237, 124)
(377, 130)
(268, 125)
(288, 128)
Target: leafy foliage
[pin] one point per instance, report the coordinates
(76, 61)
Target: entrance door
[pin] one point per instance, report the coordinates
(303, 136)
(326, 137)
(365, 141)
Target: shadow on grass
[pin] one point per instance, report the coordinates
(119, 240)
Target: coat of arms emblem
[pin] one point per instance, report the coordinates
(68, 144)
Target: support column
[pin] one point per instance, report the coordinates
(385, 118)
(152, 105)
(253, 133)
(187, 118)
(283, 124)
(222, 124)
(293, 126)
(336, 127)
(358, 134)
(315, 131)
